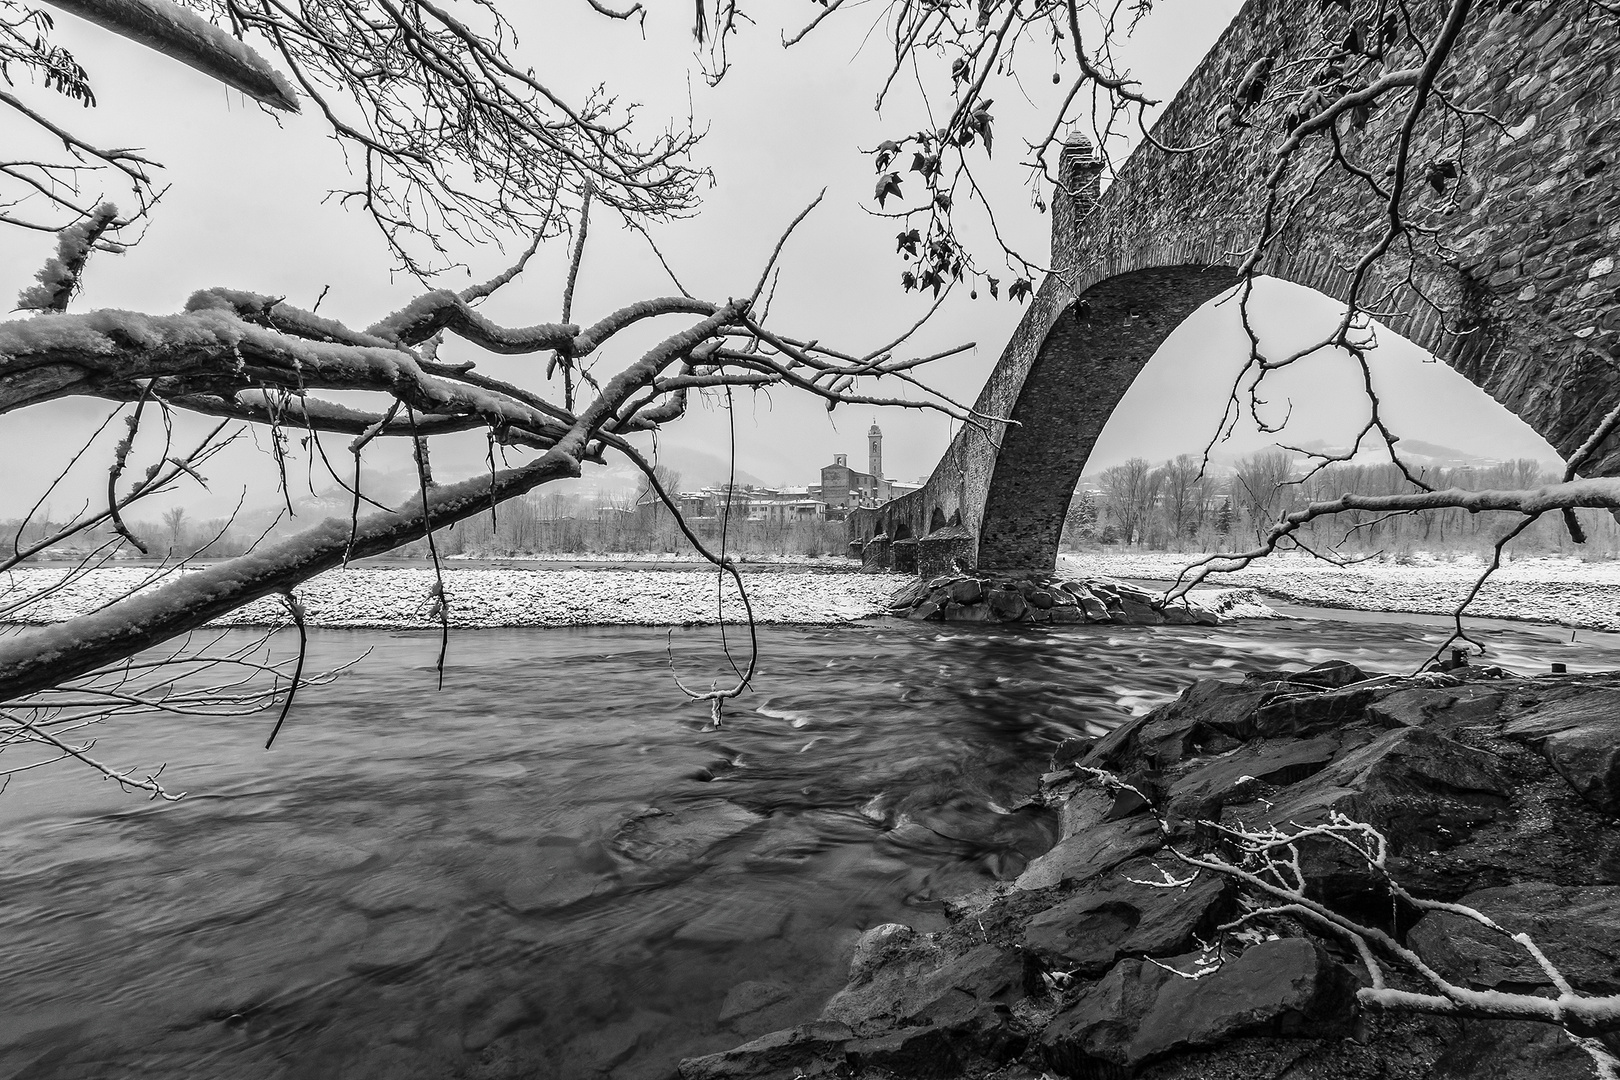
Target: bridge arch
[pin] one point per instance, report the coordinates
(1087, 361)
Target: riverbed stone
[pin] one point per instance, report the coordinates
(1093, 608)
(967, 591)
(598, 1051)
(1578, 928)
(549, 879)
(400, 943)
(909, 595)
(504, 1017)
(1008, 604)
(400, 888)
(1580, 737)
(968, 613)
(747, 998)
(1138, 612)
(923, 611)
(1132, 910)
(735, 918)
(663, 840)
(1139, 1011)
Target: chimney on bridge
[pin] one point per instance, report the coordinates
(874, 440)
(1079, 184)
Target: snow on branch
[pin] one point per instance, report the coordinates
(58, 279)
(191, 39)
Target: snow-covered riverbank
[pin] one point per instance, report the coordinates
(399, 597)
(1544, 589)
(1565, 591)
(621, 595)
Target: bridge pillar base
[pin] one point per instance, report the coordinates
(946, 550)
(903, 556)
(875, 557)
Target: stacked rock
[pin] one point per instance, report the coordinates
(979, 598)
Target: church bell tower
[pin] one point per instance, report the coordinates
(874, 439)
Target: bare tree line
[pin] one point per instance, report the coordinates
(540, 523)
(1175, 506)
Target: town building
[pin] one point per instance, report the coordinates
(843, 488)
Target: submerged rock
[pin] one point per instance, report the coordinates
(504, 1017)
(670, 840)
(550, 879)
(748, 998)
(401, 944)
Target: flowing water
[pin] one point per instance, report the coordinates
(553, 867)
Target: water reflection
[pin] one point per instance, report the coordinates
(552, 868)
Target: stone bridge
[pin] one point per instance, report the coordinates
(1520, 296)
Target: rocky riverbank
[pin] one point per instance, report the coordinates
(401, 597)
(1106, 958)
(1567, 591)
(395, 597)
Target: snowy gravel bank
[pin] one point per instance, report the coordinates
(398, 597)
(1544, 589)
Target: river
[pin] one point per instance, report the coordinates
(553, 866)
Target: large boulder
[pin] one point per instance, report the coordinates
(1249, 772)
(1307, 711)
(1580, 737)
(1086, 853)
(1140, 1012)
(1209, 716)
(1577, 928)
(1424, 792)
(1441, 709)
(1132, 910)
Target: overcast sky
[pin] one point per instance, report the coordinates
(245, 210)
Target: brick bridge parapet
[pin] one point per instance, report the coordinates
(1523, 299)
